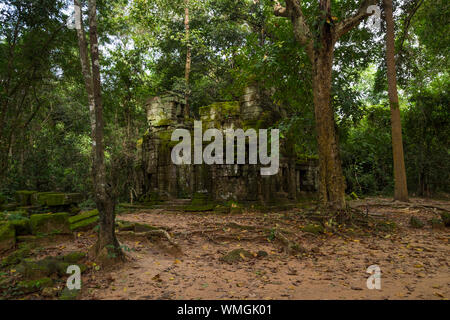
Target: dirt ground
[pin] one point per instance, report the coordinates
(414, 262)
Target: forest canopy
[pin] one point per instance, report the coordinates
(45, 141)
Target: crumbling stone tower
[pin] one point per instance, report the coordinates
(239, 182)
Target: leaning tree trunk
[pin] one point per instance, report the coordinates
(400, 188)
(331, 179)
(107, 245)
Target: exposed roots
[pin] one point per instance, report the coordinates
(160, 233)
(291, 247)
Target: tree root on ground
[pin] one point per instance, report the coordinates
(152, 234)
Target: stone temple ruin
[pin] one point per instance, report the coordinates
(239, 182)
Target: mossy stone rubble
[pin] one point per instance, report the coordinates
(199, 207)
(199, 198)
(236, 255)
(416, 223)
(50, 266)
(52, 223)
(16, 257)
(21, 226)
(52, 199)
(437, 223)
(19, 212)
(30, 286)
(446, 218)
(313, 228)
(23, 197)
(67, 294)
(84, 221)
(7, 236)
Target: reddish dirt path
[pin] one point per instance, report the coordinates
(414, 262)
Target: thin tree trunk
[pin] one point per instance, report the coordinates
(401, 190)
(188, 58)
(107, 245)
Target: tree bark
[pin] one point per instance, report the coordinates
(331, 180)
(400, 188)
(320, 50)
(107, 245)
(188, 58)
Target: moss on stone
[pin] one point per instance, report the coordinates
(385, 226)
(21, 226)
(26, 238)
(23, 197)
(199, 207)
(85, 224)
(236, 255)
(313, 228)
(53, 199)
(40, 198)
(29, 286)
(7, 236)
(74, 257)
(67, 294)
(49, 266)
(220, 110)
(17, 256)
(50, 223)
(17, 215)
(416, 223)
(83, 216)
(446, 218)
(163, 123)
(437, 223)
(199, 198)
(150, 199)
(10, 206)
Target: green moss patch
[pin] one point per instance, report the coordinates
(53, 199)
(23, 197)
(221, 110)
(416, 223)
(21, 226)
(74, 257)
(7, 237)
(54, 223)
(199, 208)
(236, 255)
(437, 223)
(385, 226)
(84, 221)
(50, 266)
(446, 218)
(199, 198)
(17, 256)
(313, 228)
(29, 286)
(67, 294)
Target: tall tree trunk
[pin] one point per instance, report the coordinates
(107, 245)
(320, 49)
(188, 58)
(401, 190)
(331, 179)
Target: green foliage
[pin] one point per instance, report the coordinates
(45, 142)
